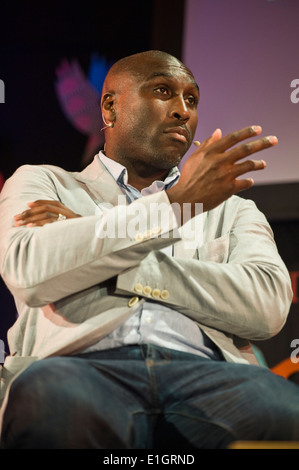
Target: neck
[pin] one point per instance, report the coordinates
(139, 179)
(140, 173)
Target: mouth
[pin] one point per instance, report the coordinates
(178, 133)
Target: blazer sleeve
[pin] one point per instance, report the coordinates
(41, 265)
(239, 283)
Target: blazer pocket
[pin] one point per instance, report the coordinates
(216, 250)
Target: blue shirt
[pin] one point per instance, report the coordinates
(153, 322)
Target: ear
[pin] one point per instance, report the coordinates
(107, 105)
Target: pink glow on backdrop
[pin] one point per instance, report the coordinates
(245, 54)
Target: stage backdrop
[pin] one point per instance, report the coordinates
(244, 54)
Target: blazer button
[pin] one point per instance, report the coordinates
(147, 290)
(156, 293)
(139, 237)
(133, 301)
(147, 234)
(138, 288)
(164, 294)
(156, 230)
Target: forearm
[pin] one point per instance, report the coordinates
(41, 265)
(211, 294)
(246, 293)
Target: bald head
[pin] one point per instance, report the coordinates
(137, 65)
(149, 105)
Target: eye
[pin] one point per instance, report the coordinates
(191, 100)
(161, 90)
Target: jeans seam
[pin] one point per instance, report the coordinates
(153, 384)
(204, 420)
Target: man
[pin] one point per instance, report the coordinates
(133, 330)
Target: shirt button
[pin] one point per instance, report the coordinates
(147, 290)
(138, 288)
(164, 294)
(156, 293)
(149, 320)
(133, 301)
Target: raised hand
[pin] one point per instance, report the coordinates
(210, 175)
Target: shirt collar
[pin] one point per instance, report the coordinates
(120, 174)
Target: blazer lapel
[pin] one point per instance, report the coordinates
(100, 184)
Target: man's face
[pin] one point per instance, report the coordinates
(156, 114)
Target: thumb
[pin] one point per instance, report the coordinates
(217, 134)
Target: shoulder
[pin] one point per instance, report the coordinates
(235, 212)
(236, 206)
(39, 174)
(37, 179)
(50, 170)
(55, 172)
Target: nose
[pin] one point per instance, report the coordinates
(179, 109)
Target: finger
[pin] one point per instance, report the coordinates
(39, 202)
(235, 137)
(40, 206)
(249, 148)
(249, 165)
(29, 212)
(41, 222)
(35, 218)
(242, 185)
(53, 206)
(20, 218)
(217, 134)
(36, 211)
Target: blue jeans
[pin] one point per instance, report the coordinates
(147, 397)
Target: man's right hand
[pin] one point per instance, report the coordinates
(210, 175)
(43, 212)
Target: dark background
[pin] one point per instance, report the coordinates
(34, 38)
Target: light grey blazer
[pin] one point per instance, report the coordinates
(72, 285)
